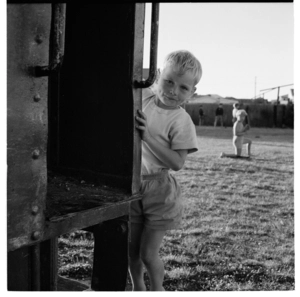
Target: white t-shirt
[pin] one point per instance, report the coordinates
(173, 128)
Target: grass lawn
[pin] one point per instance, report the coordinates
(238, 228)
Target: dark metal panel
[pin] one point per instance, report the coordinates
(19, 269)
(110, 255)
(95, 104)
(28, 30)
(48, 265)
(36, 268)
(33, 268)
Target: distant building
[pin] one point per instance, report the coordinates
(260, 100)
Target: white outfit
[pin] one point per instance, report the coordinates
(173, 128)
(234, 111)
(161, 206)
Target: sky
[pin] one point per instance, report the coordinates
(243, 47)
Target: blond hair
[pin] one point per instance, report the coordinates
(184, 61)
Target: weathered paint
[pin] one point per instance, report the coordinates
(28, 30)
(113, 153)
(137, 75)
(153, 49)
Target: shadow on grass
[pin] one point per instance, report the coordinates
(247, 277)
(250, 277)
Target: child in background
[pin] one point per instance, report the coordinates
(168, 135)
(239, 140)
(236, 107)
(219, 115)
(201, 116)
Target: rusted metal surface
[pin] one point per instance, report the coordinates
(153, 49)
(57, 42)
(80, 220)
(92, 131)
(28, 29)
(33, 268)
(27, 122)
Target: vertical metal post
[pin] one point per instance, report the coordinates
(274, 115)
(283, 116)
(278, 95)
(110, 264)
(48, 263)
(153, 49)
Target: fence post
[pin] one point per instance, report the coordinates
(274, 116)
(283, 116)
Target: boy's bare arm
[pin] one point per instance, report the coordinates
(172, 159)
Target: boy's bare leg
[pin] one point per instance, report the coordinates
(238, 151)
(238, 154)
(249, 149)
(248, 142)
(223, 155)
(151, 242)
(135, 262)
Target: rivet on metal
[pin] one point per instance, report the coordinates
(35, 154)
(39, 39)
(37, 98)
(35, 209)
(36, 235)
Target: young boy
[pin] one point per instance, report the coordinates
(239, 140)
(168, 135)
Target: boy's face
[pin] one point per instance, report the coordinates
(174, 89)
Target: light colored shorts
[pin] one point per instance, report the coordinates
(161, 205)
